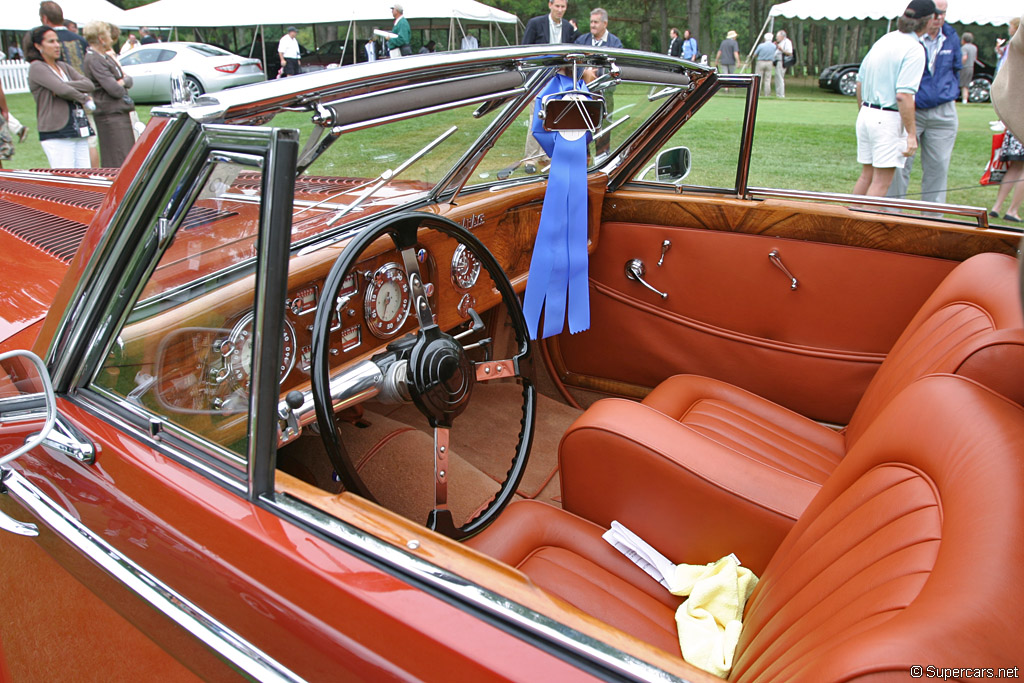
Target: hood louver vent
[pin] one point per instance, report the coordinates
(57, 236)
(69, 196)
(201, 215)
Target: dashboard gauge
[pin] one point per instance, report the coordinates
(465, 267)
(349, 286)
(350, 338)
(386, 304)
(239, 358)
(304, 300)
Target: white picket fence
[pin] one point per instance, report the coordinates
(14, 75)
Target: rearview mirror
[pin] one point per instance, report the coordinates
(572, 114)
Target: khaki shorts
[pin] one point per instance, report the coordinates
(881, 140)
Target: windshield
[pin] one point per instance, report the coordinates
(382, 157)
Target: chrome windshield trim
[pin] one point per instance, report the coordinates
(222, 640)
(510, 613)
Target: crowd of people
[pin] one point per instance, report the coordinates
(83, 110)
(907, 98)
(906, 95)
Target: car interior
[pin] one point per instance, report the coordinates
(834, 395)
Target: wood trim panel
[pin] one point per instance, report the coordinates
(804, 220)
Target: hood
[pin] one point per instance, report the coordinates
(43, 219)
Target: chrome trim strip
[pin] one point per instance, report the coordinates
(232, 472)
(496, 605)
(227, 644)
(880, 203)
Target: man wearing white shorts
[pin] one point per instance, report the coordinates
(886, 84)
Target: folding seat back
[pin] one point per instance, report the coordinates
(971, 325)
(911, 554)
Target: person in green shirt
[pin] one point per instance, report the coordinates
(401, 44)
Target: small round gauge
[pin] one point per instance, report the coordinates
(239, 358)
(386, 303)
(465, 267)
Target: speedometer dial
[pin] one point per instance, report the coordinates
(238, 350)
(386, 304)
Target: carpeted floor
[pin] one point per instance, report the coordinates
(393, 450)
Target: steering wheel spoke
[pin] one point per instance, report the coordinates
(418, 299)
(441, 438)
(495, 369)
(432, 369)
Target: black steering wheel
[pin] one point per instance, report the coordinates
(431, 369)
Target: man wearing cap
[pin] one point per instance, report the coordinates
(549, 28)
(401, 44)
(886, 84)
(288, 51)
(728, 55)
(936, 116)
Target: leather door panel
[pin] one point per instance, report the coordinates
(732, 315)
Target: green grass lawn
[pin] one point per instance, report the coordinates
(806, 141)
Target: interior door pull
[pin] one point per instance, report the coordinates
(776, 258)
(635, 270)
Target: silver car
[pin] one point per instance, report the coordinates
(207, 68)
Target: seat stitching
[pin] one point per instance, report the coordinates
(551, 561)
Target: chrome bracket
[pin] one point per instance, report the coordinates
(665, 246)
(776, 258)
(635, 270)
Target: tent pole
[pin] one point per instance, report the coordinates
(757, 39)
(263, 45)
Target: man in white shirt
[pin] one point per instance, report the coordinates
(783, 49)
(887, 83)
(549, 28)
(288, 51)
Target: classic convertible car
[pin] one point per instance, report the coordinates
(273, 406)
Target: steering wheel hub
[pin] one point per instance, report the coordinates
(442, 378)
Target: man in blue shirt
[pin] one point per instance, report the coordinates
(936, 116)
(690, 47)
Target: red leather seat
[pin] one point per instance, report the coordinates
(910, 554)
(702, 452)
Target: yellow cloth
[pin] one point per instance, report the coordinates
(709, 620)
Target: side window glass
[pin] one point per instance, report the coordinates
(166, 55)
(705, 152)
(185, 351)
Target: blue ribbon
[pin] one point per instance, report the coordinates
(559, 266)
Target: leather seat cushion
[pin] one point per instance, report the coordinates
(750, 425)
(566, 556)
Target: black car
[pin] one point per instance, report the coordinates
(334, 52)
(842, 78)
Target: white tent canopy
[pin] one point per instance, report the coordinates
(203, 13)
(995, 12)
(23, 15)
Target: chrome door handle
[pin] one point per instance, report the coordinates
(635, 270)
(776, 258)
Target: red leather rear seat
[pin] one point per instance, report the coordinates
(713, 452)
(910, 554)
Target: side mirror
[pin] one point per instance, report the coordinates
(180, 92)
(673, 165)
(27, 403)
